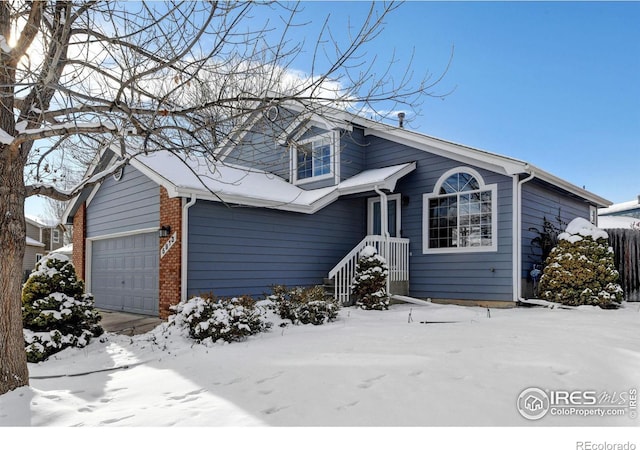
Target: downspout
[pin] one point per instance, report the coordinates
(185, 246)
(384, 214)
(517, 232)
(384, 229)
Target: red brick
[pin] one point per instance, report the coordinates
(79, 240)
(171, 262)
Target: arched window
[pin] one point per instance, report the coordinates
(460, 215)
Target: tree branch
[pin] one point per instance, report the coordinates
(29, 32)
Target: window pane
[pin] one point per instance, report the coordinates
(467, 182)
(376, 218)
(304, 162)
(462, 215)
(322, 160)
(393, 232)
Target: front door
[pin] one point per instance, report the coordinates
(393, 215)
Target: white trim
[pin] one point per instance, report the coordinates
(445, 176)
(333, 154)
(372, 200)
(516, 245)
(97, 187)
(88, 249)
(238, 135)
(333, 193)
(302, 123)
(125, 233)
(449, 150)
(184, 249)
(493, 188)
(593, 215)
(472, 156)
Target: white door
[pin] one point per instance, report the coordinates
(393, 215)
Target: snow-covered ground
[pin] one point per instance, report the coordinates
(368, 369)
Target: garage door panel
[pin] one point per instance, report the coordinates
(124, 273)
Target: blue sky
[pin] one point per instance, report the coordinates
(554, 83)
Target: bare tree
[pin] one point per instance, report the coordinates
(78, 76)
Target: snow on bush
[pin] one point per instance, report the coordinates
(581, 270)
(304, 305)
(209, 319)
(370, 283)
(55, 311)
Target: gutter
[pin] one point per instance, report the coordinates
(185, 246)
(517, 232)
(384, 227)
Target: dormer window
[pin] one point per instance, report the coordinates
(313, 159)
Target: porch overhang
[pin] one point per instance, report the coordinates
(233, 184)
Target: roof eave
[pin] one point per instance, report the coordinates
(569, 187)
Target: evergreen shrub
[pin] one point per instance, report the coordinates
(580, 270)
(370, 284)
(304, 305)
(207, 318)
(56, 313)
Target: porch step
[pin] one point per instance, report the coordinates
(329, 285)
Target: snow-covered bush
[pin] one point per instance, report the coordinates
(212, 319)
(580, 270)
(370, 284)
(304, 305)
(56, 313)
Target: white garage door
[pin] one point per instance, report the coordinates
(124, 273)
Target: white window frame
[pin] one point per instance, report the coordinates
(373, 200)
(593, 215)
(39, 256)
(55, 235)
(492, 188)
(333, 154)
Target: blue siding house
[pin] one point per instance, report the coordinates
(294, 197)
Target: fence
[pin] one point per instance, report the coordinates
(626, 247)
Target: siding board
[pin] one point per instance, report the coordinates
(235, 251)
(130, 204)
(461, 276)
(540, 200)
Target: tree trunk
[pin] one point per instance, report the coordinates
(13, 359)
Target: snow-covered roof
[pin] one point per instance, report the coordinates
(212, 180)
(218, 181)
(66, 250)
(41, 222)
(34, 243)
(612, 222)
(620, 207)
(459, 152)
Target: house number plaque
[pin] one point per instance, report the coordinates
(167, 246)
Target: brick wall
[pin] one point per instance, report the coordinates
(170, 263)
(79, 241)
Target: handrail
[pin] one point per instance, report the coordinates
(394, 250)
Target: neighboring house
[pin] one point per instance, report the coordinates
(294, 198)
(618, 222)
(618, 210)
(50, 232)
(33, 251)
(41, 239)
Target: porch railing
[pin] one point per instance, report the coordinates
(394, 250)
